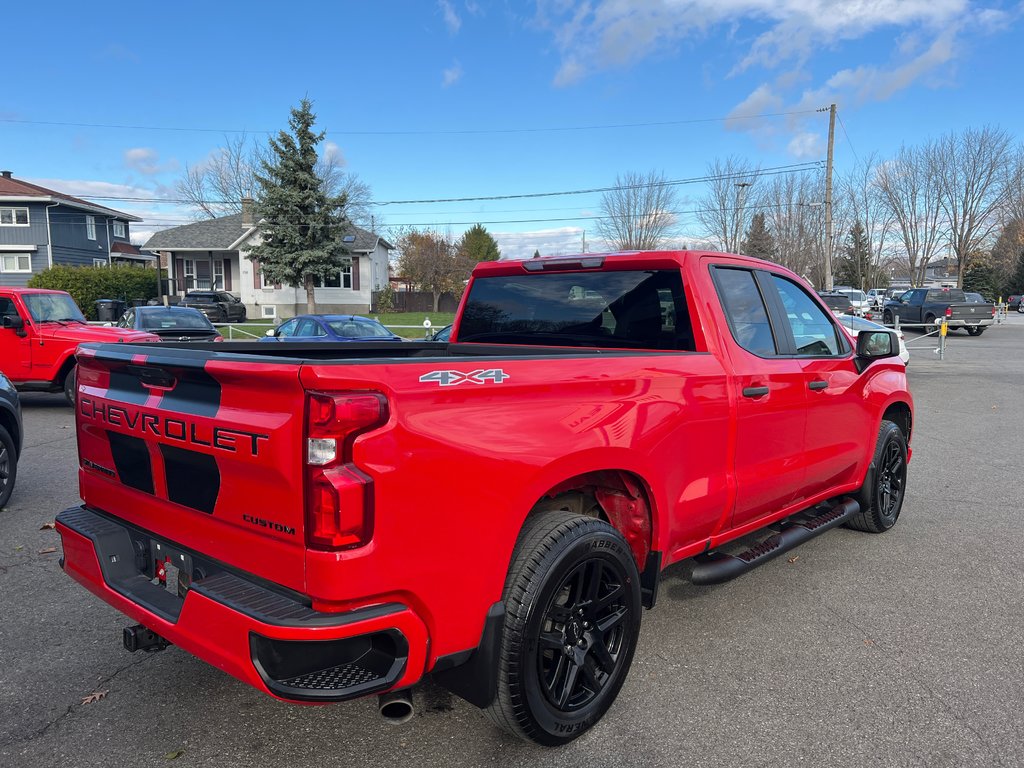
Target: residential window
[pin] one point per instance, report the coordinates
(14, 217)
(100, 263)
(218, 275)
(90, 227)
(342, 279)
(190, 273)
(16, 262)
(119, 229)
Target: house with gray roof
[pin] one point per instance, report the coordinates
(213, 255)
(41, 228)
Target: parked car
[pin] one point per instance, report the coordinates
(877, 297)
(839, 303)
(171, 323)
(10, 438)
(219, 306)
(1014, 302)
(40, 332)
(308, 328)
(857, 324)
(862, 305)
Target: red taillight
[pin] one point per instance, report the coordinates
(339, 497)
(993, 310)
(949, 311)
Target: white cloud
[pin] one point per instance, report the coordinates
(452, 75)
(806, 146)
(332, 153)
(451, 17)
(473, 8)
(146, 160)
(522, 245)
(613, 33)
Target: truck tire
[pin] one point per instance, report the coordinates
(975, 331)
(572, 618)
(70, 383)
(929, 321)
(881, 497)
(8, 467)
(887, 318)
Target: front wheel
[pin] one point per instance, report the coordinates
(887, 318)
(881, 496)
(572, 618)
(70, 385)
(8, 467)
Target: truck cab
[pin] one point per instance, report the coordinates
(39, 333)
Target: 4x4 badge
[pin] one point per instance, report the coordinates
(451, 378)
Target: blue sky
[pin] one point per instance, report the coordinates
(467, 98)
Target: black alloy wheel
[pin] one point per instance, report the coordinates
(572, 618)
(8, 467)
(887, 318)
(582, 636)
(881, 498)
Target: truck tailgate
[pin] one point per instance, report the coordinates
(180, 444)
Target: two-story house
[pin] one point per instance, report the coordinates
(214, 255)
(41, 228)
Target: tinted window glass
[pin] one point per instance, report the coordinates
(748, 318)
(639, 309)
(359, 329)
(7, 307)
(309, 327)
(813, 332)
(160, 319)
(288, 329)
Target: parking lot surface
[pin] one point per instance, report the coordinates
(901, 649)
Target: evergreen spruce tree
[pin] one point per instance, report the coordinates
(854, 267)
(302, 226)
(758, 240)
(478, 245)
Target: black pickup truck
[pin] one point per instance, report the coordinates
(925, 305)
(218, 306)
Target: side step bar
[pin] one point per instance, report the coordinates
(718, 567)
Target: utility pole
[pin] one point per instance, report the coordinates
(828, 197)
(738, 219)
(584, 241)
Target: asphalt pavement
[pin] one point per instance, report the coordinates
(901, 649)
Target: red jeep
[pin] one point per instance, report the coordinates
(41, 331)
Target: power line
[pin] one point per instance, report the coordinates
(436, 132)
(843, 126)
(771, 171)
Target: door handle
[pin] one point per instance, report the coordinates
(816, 385)
(755, 391)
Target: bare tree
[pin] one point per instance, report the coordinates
(911, 193)
(216, 186)
(795, 212)
(732, 190)
(971, 170)
(433, 262)
(639, 213)
(866, 204)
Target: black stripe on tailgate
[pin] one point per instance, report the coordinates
(193, 478)
(131, 460)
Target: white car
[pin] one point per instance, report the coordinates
(862, 305)
(857, 324)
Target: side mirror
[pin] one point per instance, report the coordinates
(15, 323)
(272, 333)
(874, 345)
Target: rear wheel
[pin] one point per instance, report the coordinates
(881, 497)
(8, 467)
(975, 331)
(572, 617)
(70, 383)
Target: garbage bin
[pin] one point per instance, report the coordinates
(109, 310)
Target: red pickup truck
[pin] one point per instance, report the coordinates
(40, 331)
(330, 521)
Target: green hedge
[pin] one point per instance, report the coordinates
(89, 284)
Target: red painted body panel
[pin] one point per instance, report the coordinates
(39, 355)
(456, 470)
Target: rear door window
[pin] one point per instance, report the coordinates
(745, 310)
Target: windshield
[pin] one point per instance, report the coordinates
(359, 329)
(161, 319)
(48, 307)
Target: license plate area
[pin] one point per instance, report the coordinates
(170, 568)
